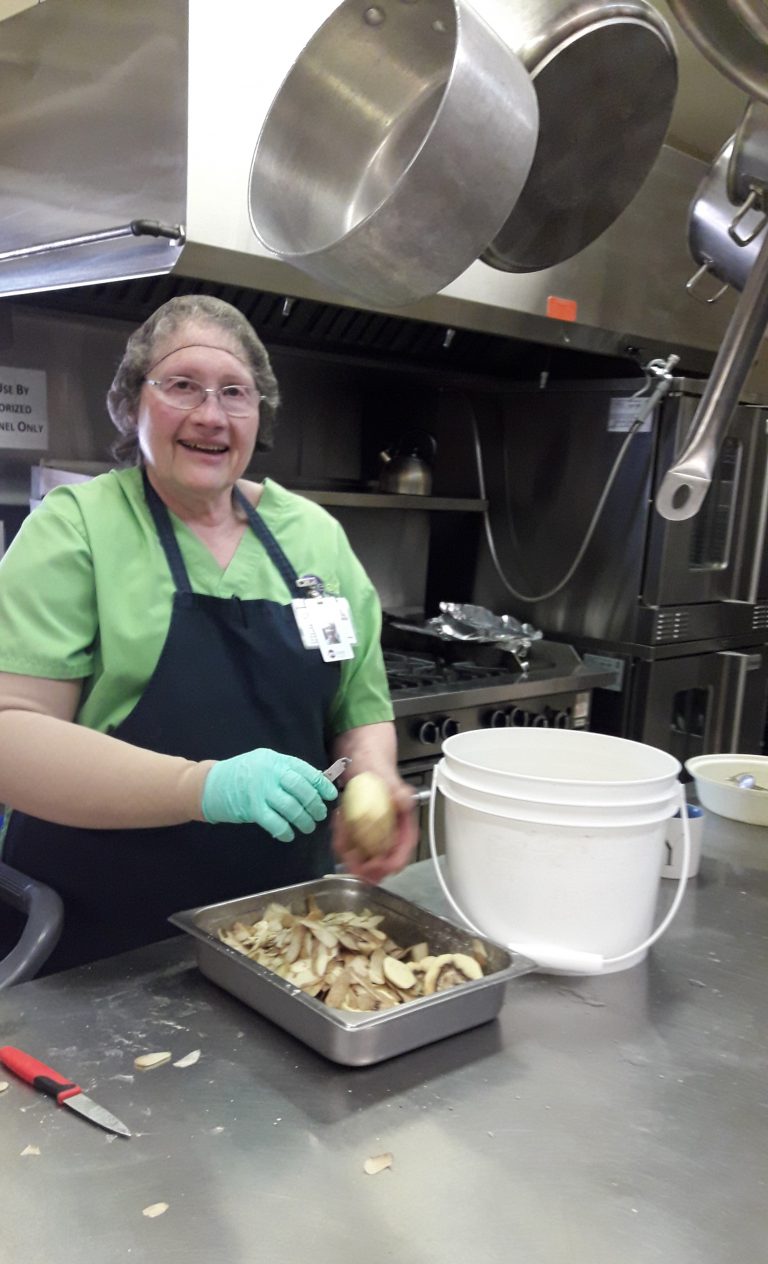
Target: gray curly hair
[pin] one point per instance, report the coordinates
(140, 355)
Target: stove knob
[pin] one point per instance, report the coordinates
(518, 717)
(496, 719)
(562, 720)
(541, 721)
(427, 733)
(449, 727)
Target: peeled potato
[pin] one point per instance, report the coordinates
(368, 813)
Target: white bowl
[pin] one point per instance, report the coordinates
(716, 792)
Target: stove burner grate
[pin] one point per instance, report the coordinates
(411, 671)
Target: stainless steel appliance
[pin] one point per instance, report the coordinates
(691, 700)
(679, 608)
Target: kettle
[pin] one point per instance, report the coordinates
(406, 465)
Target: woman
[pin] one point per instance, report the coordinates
(165, 708)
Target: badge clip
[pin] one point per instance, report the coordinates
(313, 585)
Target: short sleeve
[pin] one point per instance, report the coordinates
(48, 612)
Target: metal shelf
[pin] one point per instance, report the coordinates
(383, 500)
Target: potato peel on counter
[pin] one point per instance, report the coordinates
(155, 1209)
(377, 1163)
(146, 1061)
(346, 960)
(189, 1059)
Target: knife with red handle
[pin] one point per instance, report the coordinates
(48, 1081)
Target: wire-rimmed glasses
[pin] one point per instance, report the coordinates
(185, 393)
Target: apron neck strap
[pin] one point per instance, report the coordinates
(172, 551)
(275, 553)
(162, 520)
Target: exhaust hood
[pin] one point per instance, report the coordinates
(126, 138)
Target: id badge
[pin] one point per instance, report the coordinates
(303, 617)
(330, 630)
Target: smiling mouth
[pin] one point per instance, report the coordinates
(215, 448)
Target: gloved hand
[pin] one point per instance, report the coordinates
(275, 791)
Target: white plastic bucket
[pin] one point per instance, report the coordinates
(647, 813)
(561, 765)
(578, 896)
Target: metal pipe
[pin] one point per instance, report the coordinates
(686, 483)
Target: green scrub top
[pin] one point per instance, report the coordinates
(85, 592)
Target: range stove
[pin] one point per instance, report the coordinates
(435, 696)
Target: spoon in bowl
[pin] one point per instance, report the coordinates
(745, 781)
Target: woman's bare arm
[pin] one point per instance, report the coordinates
(63, 772)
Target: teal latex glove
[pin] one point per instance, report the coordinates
(277, 792)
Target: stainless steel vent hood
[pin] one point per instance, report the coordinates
(127, 131)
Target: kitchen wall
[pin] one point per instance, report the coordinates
(340, 408)
(322, 440)
(79, 356)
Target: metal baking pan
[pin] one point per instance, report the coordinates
(349, 1038)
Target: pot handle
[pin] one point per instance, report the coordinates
(686, 483)
(691, 284)
(755, 197)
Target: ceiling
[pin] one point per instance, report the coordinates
(708, 107)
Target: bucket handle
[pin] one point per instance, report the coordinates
(553, 956)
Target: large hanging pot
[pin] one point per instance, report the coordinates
(732, 36)
(380, 168)
(605, 73)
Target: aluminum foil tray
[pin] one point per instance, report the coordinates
(349, 1038)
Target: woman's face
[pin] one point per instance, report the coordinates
(202, 451)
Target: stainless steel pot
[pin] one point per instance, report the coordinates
(605, 73)
(731, 35)
(723, 241)
(394, 148)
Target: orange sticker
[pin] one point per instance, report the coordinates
(562, 308)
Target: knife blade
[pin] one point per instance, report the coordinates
(64, 1091)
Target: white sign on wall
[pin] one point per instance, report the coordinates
(626, 410)
(23, 408)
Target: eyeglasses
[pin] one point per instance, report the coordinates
(185, 393)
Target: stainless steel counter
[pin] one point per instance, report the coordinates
(615, 1120)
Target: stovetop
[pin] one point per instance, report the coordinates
(428, 673)
(424, 682)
